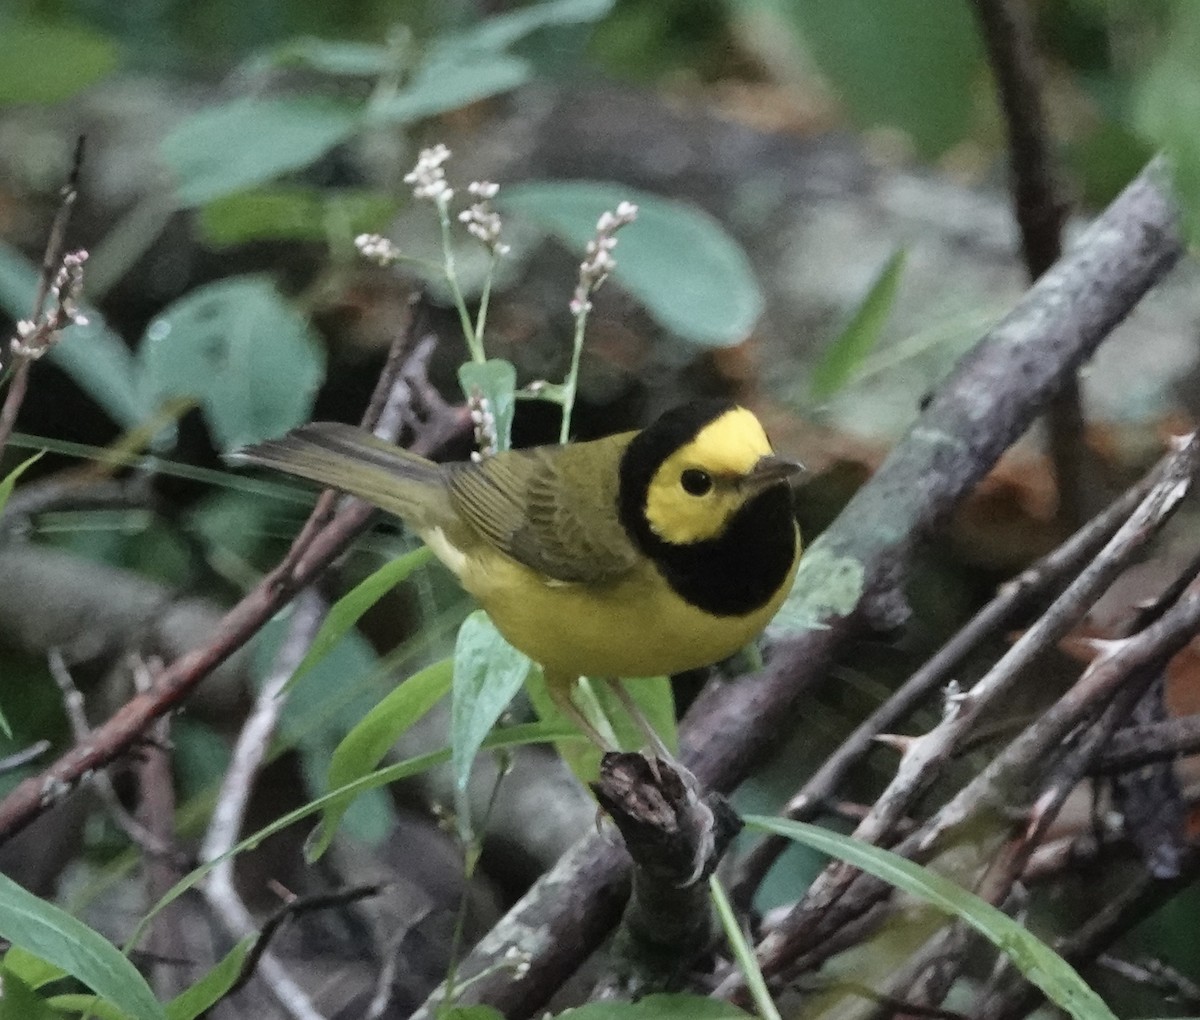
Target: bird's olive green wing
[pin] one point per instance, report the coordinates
(552, 508)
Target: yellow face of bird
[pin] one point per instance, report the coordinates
(698, 488)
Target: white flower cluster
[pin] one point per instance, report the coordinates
(377, 248)
(36, 336)
(428, 177)
(482, 221)
(484, 421)
(598, 261)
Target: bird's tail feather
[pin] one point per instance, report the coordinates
(343, 457)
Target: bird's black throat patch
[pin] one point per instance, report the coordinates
(742, 569)
(730, 575)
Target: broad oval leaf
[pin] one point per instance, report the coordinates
(905, 63)
(443, 85)
(1040, 964)
(294, 212)
(53, 935)
(243, 352)
(362, 749)
(675, 259)
(47, 61)
(503, 30)
(488, 672)
(246, 142)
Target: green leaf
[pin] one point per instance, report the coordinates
(246, 354)
(344, 614)
(1168, 105)
(294, 213)
(743, 952)
(658, 1007)
(95, 358)
(488, 672)
(496, 381)
(43, 61)
(58, 938)
(210, 989)
(250, 141)
(503, 30)
(33, 970)
(860, 335)
(365, 745)
(470, 1013)
(1030, 955)
(675, 259)
(653, 695)
(908, 64)
(329, 56)
(10, 479)
(88, 1006)
(450, 83)
(18, 1001)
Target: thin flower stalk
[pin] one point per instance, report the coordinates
(598, 263)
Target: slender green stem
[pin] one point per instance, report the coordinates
(474, 340)
(571, 382)
(743, 952)
(472, 851)
(481, 318)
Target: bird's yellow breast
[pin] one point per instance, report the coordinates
(635, 626)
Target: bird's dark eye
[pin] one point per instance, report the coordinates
(696, 482)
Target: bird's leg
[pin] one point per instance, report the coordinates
(635, 713)
(560, 690)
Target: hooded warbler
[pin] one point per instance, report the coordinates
(638, 554)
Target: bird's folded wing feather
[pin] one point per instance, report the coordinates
(552, 509)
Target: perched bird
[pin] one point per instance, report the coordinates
(640, 554)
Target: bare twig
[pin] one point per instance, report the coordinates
(928, 756)
(1135, 746)
(141, 836)
(675, 834)
(21, 758)
(1178, 989)
(1139, 897)
(1041, 211)
(325, 536)
(156, 812)
(391, 402)
(226, 825)
(294, 908)
(1033, 583)
(42, 329)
